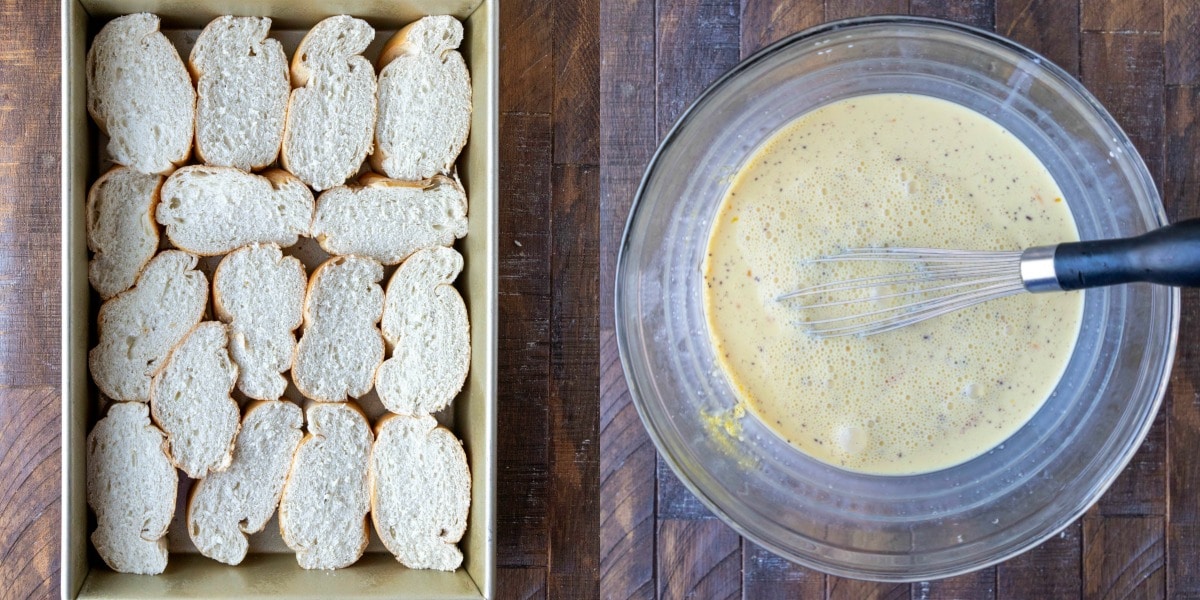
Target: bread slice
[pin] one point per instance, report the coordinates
(420, 491)
(260, 293)
(341, 347)
(388, 220)
(131, 487)
(331, 113)
(425, 324)
(228, 505)
(190, 402)
(242, 92)
(121, 231)
(140, 94)
(424, 100)
(323, 511)
(213, 210)
(140, 326)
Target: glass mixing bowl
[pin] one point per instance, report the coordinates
(891, 528)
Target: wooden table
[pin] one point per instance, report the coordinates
(549, 231)
(1142, 59)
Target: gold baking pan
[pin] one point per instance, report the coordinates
(270, 570)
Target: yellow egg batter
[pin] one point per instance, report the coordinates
(897, 170)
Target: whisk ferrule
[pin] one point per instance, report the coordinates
(1037, 269)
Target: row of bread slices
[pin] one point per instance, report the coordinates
(154, 346)
(411, 475)
(211, 211)
(322, 119)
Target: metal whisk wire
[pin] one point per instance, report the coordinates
(974, 277)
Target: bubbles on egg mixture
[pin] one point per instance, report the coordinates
(917, 399)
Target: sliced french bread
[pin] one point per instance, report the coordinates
(210, 210)
(425, 324)
(323, 511)
(242, 90)
(331, 113)
(424, 100)
(140, 94)
(388, 220)
(190, 402)
(131, 487)
(139, 327)
(260, 293)
(121, 231)
(341, 347)
(228, 505)
(420, 491)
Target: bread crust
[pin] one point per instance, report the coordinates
(91, 217)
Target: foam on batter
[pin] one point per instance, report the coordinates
(896, 170)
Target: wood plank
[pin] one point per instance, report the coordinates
(1125, 71)
(1121, 15)
(576, 82)
(697, 42)
(627, 458)
(764, 23)
(1123, 557)
(1181, 30)
(527, 45)
(627, 127)
(840, 588)
(524, 341)
(845, 9)
(1049, 27)
(976, 13)
(766, 576)
(698, 559)
(979, 585)
(1051, 570)
(29, 201)
(675, 501)
(1182, 198)
(521, 584)
(30, 471)
(574, 385)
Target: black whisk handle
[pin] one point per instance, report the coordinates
(1168, 256)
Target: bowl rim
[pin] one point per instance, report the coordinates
(622, 333)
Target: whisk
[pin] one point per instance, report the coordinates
(932, 282)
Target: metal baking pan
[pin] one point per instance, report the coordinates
(270, 569)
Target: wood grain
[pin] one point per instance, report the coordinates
(574, 384)
(844, 9)
(697, 42)
(627, 125)
(1181, 186)
(29, 202)
(763, 23)
(1134, 569)
(1050, 27)
(698, 559)
(627, 486)
(1051, 570)
(1181, 30)
(30, 267)
(1121, 15)
(840, 588)
(577, 83)
(29, 491)
(976, 13)
(524, 341)
(527, 45)
(521, 584)
(766, 576)
(979, 585)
